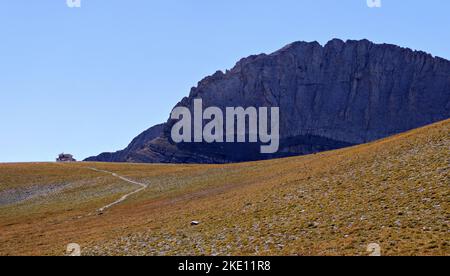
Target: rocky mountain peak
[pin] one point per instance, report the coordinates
(331, 96)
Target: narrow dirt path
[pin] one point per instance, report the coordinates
(123, 198)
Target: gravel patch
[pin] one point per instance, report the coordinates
(14, 196)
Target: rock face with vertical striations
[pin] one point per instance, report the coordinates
(332, 96)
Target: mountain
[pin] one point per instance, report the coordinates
(332, 96)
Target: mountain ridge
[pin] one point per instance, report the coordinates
(331, 96)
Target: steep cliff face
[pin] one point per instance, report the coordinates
(331, 96)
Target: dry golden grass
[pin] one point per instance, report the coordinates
(394, 192)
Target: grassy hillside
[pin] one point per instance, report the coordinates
(394, 192)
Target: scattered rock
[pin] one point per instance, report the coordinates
(313, 225)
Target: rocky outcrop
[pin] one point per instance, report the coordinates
(332, 96)
(135, 145)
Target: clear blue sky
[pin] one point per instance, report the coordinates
(88, 80)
